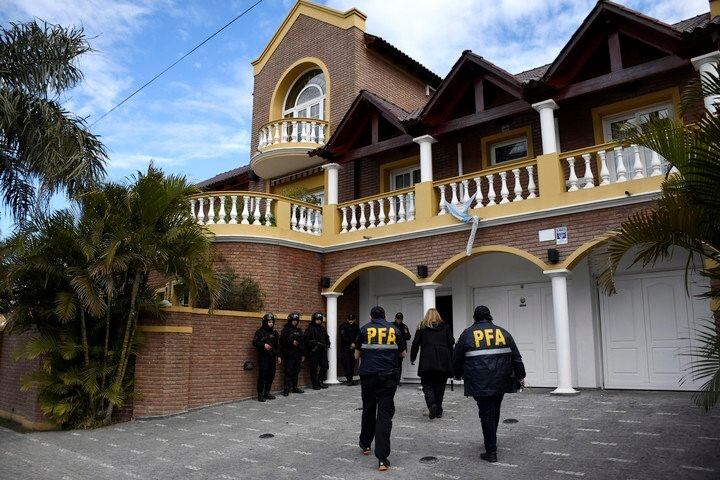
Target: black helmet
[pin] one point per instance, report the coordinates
(268, 317)
(317, 316)
(294, 316)
(351, 316)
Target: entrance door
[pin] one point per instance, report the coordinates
(647, 328)
(527, 314)
(411, 307)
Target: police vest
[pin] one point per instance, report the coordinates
(380, 345)
(488, 359)
(486, 339)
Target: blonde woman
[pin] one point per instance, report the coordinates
(435, 341)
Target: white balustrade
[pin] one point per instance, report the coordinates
(504, 192)
(442, 208)
(379, 212)
(306, 130)
(256, 209)
(616, 164)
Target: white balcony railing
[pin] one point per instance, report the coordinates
(306, 218)
(610, 163)
(246, 208)
(372, 212)
(293, 130)
(494, 186)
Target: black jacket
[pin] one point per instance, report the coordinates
(435, 345)
(348, 333)
(289, 334)
(405, 330)
(264, 335)
(316, 339)
(487, 358)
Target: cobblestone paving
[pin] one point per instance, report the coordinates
(618, 435)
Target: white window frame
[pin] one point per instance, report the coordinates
(292, 112)
(505, 143)
(402, 171)
(633, 116)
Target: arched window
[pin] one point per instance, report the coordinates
(306, 98)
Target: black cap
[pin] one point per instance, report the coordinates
(482, 313)
(294, 316)
(351, 316)
(377, 312)
(317, 315)
(399, 316)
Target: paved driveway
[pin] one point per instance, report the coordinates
(613, 434)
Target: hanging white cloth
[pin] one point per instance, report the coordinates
(460, 211)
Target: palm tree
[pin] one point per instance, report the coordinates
(43, 148)
(79, 279)
(687, 215)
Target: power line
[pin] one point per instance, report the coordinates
(177, 61)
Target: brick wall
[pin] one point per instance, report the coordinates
(175, 372)
(377, 74)
(15, 404)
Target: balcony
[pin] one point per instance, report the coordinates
(283, 146)
(594, 177)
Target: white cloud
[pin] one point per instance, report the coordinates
(514, 34)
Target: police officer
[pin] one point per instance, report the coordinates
(317, 343)
(291, 342)
(379, 347)
(406, 335)
(348, 335)
(487, 358)
(266, 341)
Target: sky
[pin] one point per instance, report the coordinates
(196, 119)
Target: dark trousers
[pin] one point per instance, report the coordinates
(266, 373)
(489, 411)
(347, 359)
(291, 368)
(378, 399)
(433, 385)
(318, 365)
(399, 370)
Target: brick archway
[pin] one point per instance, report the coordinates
(355, 272)
(443, 270)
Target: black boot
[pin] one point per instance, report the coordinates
(489, 457)
(286, 392)
(269, 396)
(433, 411)
(261, 397)
(322, 385)
(297, 390)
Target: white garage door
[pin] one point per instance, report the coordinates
(647, 328)
(411, 307)
(527, 313)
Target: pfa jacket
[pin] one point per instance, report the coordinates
(380, 343)
(487, 359)
(316, 339)
(290, 334)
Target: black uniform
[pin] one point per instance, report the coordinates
(435, 343)
(405, 330)
(317, 343)
(348, 335)
(487, 358)
(267, 359)
(380, 344)
(291, 343)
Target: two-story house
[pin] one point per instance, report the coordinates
(386, 145)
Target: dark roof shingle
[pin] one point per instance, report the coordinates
(220, 177)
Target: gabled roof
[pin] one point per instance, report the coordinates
(607, 7)
(387, 49)
(502, 77)
(691, 24)
(394, 114)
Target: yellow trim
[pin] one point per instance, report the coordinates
(29, 424)
(164, 329)
(286, 81)
(576, 257)
(227, 313)
(386, 168)
(344, 20)
(312, 183)
(347, 277)
(443, 270)
(671, 94)
(502, 136)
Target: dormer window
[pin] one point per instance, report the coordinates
(306, 98)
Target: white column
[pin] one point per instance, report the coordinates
(332, 323)
(332, 183)
(428, 289)
(547, 125)
(705, 64)
(425, 142)
(562, 331)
